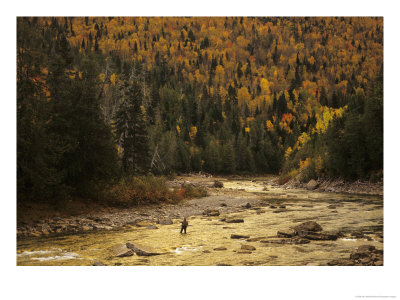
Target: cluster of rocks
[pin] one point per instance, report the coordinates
(339, 185)
(365, 255)
(301, 234)
(129, 249)
(68, 225)
(59, 225)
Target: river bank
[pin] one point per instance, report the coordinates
(237, 193)
(339, 186)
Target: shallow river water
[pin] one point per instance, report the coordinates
(196, 248)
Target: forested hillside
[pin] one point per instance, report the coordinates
(103, 97)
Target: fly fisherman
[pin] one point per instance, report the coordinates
(184, 225)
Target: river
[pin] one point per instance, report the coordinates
(208, 240)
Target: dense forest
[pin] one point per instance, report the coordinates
(101, 98)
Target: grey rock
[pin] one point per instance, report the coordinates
(141, 250)
(312, 185)
(317, 236)
(211, 212)
(239, 236)
(288, 233)
(98, 263)
(236, 220)
(308, 226)
(220, 249)
(248, 247)
(247, 205)
(121, 250)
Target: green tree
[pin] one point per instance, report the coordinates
(132, 131)
(37, 178)
(88, 156)
(228, 158)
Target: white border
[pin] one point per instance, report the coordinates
(198, 282)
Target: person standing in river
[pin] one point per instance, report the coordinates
(184, 225)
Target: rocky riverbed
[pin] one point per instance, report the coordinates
(252, 217)
(232, 197)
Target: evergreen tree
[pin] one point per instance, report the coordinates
(88, 157)
(132, 132)
(228, 158)
(37, 178)
(373, 124)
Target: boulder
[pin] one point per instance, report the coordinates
(234, 220)
(367, 255)
(121, 250)
(218, 184)
(141, 250)
(206, 251)
(98, 264)
(239, 236)
(288, 233)
(317, 236)
(223, 205)
(211, 212)
(220, 249)
(247, 205)
(312, 185)
(308, 226)
(248, 247)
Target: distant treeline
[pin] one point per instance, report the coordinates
(103, 98)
